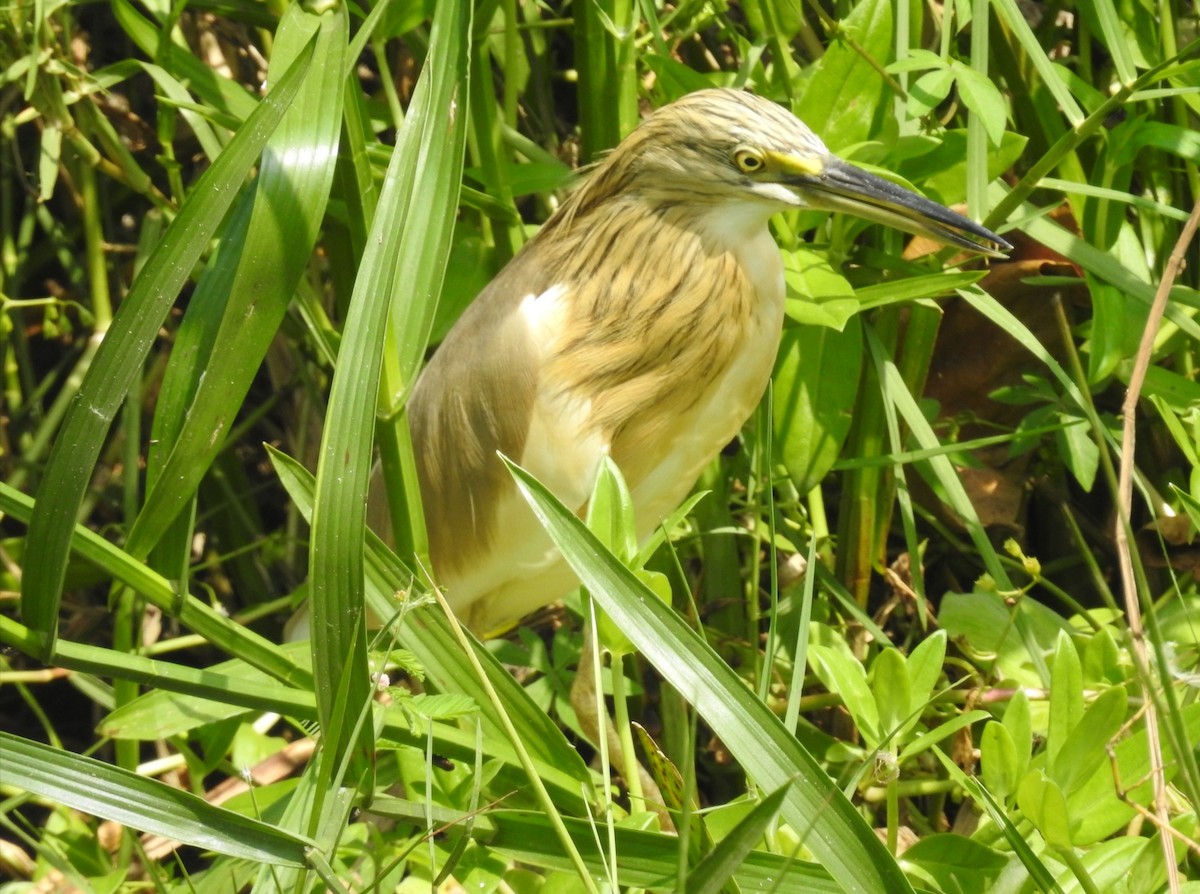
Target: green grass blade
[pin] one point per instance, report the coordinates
(1014, 20)
(120, 357)
(405, 256)
(726, 858)
(193, 613)
(291, 193)
(770, 755)
(215, 89)
(101, 790)
(427, 635)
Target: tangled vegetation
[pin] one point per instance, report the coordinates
(933, 625)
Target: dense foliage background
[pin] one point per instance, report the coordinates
(934, 624)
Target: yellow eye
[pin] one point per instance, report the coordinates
(749, 161)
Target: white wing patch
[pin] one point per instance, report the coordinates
(522, 569)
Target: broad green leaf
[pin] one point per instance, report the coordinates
(925, 664)
(817, 295)
(1083, 753)
(842, 96)
(610, 518)
(1066, 695)
(842, 674)
(983, 98)
(943, 171)
(1079, 452)
(957, 863)
(1102, 660)
(1117, 323)
(892, 690)
(1040, 799)
(101, 790)
(982, 623)
(816, 379)
(1019, 722)
(610, 512)
(998, 761)
(928, 91)
(1096, 805)
(814, 806)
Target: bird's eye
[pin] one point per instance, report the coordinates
(749, 161)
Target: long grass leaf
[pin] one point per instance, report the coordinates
(120, 357)
(99, 789)
(400, 260)
(197, 615)
(254, 287)
(770, 755)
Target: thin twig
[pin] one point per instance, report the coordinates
(1124, 516)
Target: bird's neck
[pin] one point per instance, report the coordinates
(740, 228)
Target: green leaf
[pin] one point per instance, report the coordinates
(240, 301)
(1042, 801)
(933, 285)
(816, 380)
(101, 790)
(427, 634)
(1084, 751)
(610, 518)
(982, 97)
(1102, 660)
(943, 172)
(399, 277)
(121, 355)
(998, 761)
(982, 623)
(722, 863)
(610, 512)
(891, 688)
(925, 665)
(1019, 722)
(927, 740)
(814, 806)
(928, 92)
(1066, 696)
(647, 859)
(1038, 871)
(1117, 323)
(1079, 452)
(817, 295)
(841, 673)
(842, 95)
(1096, 805)
(215, 626)
(957, 863)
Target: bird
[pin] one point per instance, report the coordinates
(640, 323)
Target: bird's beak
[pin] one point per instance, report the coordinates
(834, 185)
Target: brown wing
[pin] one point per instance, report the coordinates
(474, 399)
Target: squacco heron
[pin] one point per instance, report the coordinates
(641, 322)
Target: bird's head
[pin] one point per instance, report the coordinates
(728, 146)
